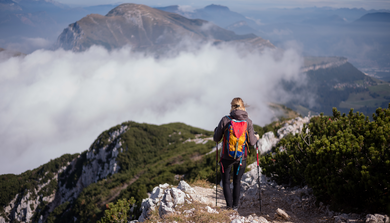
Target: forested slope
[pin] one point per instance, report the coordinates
(125, 161)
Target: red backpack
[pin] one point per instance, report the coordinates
(235, 140)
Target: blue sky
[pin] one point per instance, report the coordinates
(242, 5)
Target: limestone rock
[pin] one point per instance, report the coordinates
(177, 195)
(165, 208)
(163, 186)
(172, 197)
(210, 210)
(262, 220)
(189, 211)
(377, 218)
(282, 214)
(185, 187)
(147, 207)
(157, 193)
(293, 126)
(267, 141)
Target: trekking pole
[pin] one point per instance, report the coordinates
(216, 174)
(258, 175)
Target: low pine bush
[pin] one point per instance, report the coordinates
(345, 159)
(117, 212)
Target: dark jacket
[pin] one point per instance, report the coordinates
(220, 130)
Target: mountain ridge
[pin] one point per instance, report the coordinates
(130, 160)
(142, 28)
(60, 187)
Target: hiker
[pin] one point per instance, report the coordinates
(237, 132)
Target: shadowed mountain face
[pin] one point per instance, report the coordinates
(141, 27)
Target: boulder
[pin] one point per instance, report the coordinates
(147, 207)
(185, 187)
(172, 198)
(282, 214)
(157, 194)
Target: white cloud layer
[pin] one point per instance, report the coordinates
(57, 102)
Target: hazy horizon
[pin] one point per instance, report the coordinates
(245, 5)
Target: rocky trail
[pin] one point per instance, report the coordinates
(297, 203)
(279, 204)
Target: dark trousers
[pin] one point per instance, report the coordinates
(232, 201)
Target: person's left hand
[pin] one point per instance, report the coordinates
(257, 136)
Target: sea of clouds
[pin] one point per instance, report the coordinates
(57, 102)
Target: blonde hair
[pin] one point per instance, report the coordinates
(237, 104)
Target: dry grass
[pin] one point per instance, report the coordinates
(202, 183)
(200, 214)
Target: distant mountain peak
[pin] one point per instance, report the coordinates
(216, 8)
(128, 8)
(142, 28)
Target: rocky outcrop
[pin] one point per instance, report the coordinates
(95, 164)
(269, 140)
(199, 139)
(70, 37)
(23, 206)
(167, 199)
(326, 63)
(101, 162)
(376, 218)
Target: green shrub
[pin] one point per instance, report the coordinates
(345, 159)
(117, 212)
